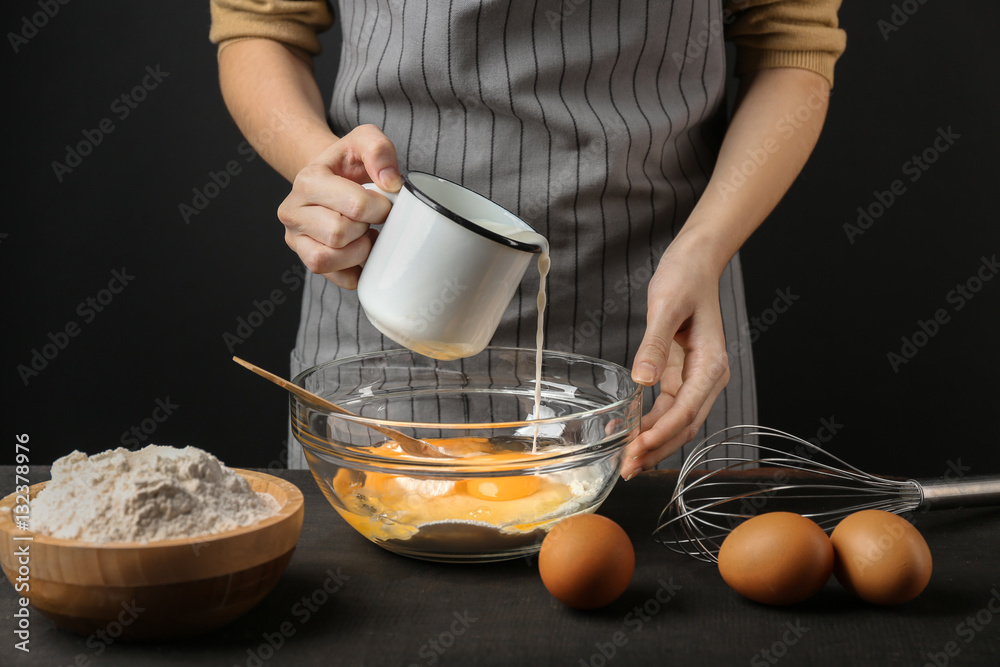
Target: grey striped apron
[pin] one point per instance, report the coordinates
(598, 123)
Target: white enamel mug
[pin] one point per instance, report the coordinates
(445, 265)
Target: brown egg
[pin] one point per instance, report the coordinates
(880, 557)
(776, 558)
(586, 561)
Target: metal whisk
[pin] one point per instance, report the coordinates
(716, 492)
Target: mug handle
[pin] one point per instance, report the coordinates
(391, 196)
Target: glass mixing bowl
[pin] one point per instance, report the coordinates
(510, 480)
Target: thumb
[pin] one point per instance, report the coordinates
(654, 351)
(378, 154)
(386, 178)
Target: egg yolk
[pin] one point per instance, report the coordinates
(502, 488)
(386, 506)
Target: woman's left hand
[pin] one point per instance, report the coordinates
(684, 349)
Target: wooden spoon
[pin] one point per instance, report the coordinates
(409, 445)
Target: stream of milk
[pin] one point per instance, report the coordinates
(532, 237)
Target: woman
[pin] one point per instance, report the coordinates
(601, 124)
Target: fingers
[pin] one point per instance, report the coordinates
(327, 215)
(328, 241)
(669, 426)
(684, 350)
(664, 318)
(364, 154)
(341, 266)
(705, 373)
(325, 225)
(317, 186)
(653, 355)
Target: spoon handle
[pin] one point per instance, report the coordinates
(411, 445)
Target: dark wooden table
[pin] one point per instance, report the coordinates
(390, 610)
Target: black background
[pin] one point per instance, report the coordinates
(822, 364)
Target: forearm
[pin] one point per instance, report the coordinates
(774, 129)
(272, 95)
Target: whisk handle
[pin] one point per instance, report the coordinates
(941, 494)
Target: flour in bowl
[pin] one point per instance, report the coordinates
(155, 493)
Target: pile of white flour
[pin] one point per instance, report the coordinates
(155, 493)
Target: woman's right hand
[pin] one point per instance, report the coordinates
(328, 215)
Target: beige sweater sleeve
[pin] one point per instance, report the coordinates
(767, 33)
(293, 22)
(785, 33)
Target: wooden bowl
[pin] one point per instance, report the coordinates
(169, 588)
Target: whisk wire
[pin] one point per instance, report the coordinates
(712, 497)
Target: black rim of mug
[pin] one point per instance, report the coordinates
(465, 222)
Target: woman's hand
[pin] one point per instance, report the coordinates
(684, 349)
(328, 215)
(272, 94)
